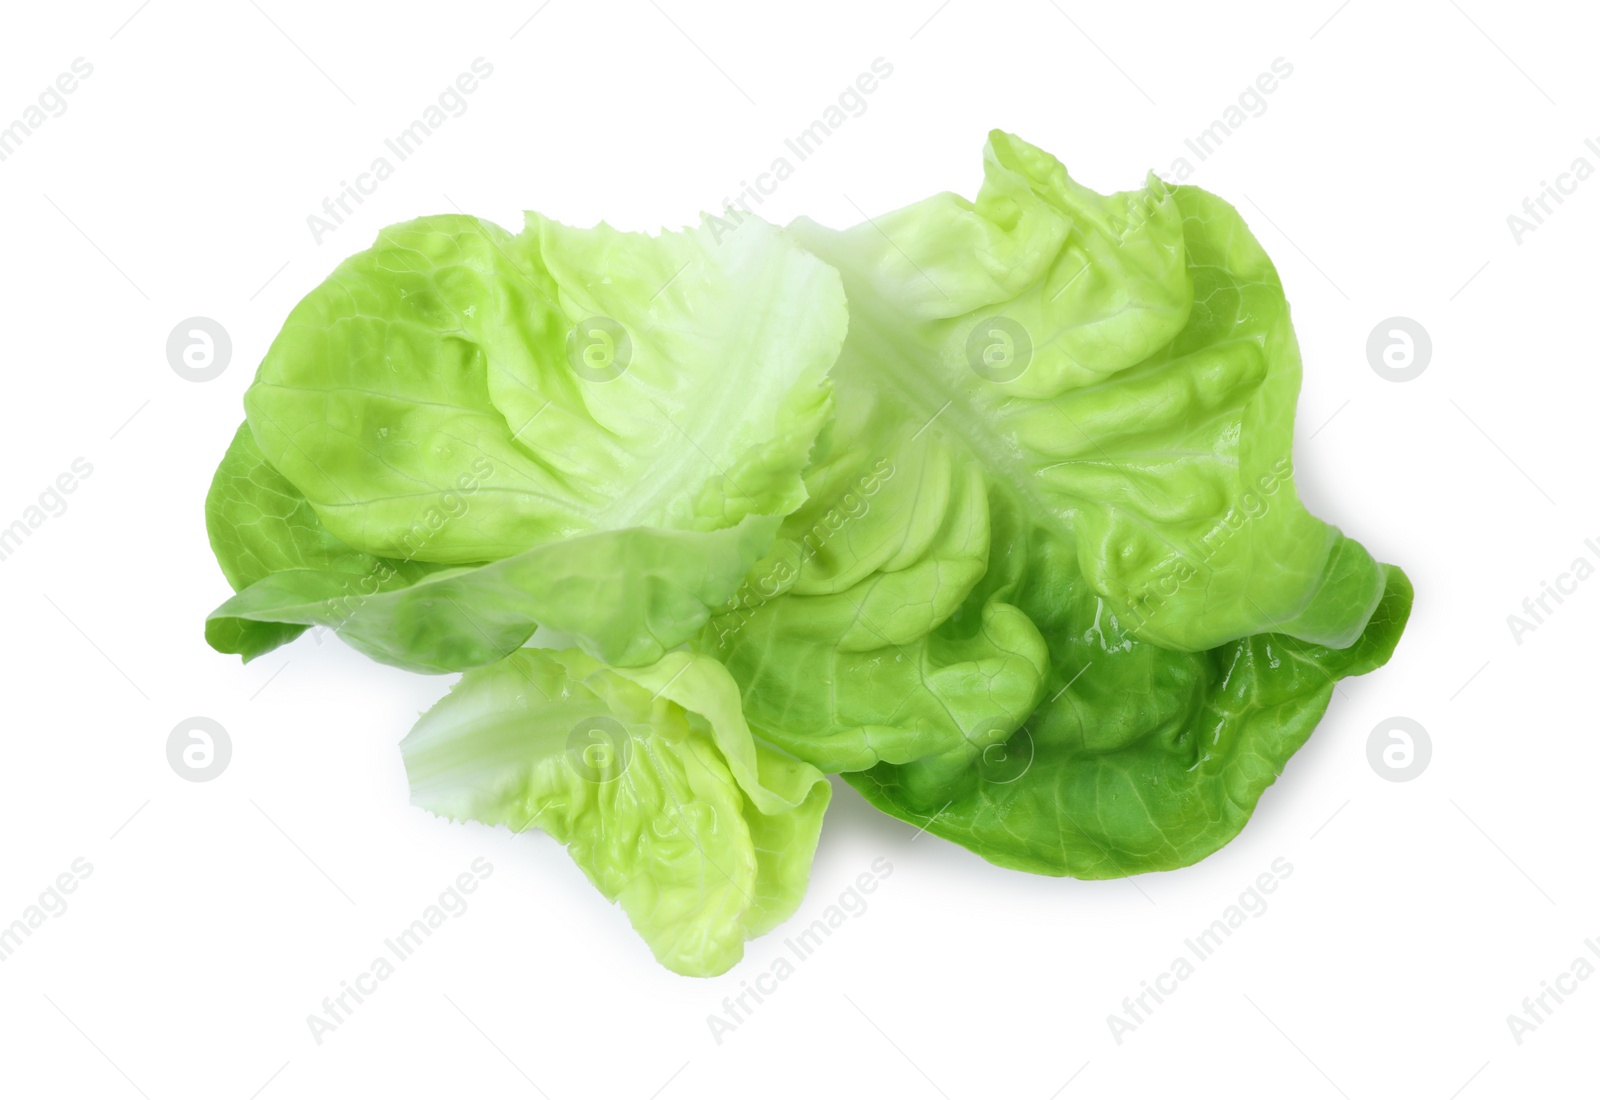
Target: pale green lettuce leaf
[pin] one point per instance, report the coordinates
(649, 776)
(587, 430)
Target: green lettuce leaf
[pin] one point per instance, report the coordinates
(1125, 367)
(587, 430)
(649, 776)
(1018, 550)
(1050, 401)
(1142, 758)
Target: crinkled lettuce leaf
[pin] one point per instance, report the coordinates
(649, 776)
(1125, 366)
(588, 430)
(1047, 397)
(1019, 552)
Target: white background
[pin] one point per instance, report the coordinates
(219, 915)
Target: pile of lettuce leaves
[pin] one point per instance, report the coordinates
(986, 505)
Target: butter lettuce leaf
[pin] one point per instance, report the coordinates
(1125, 367)
(987, 504)
(649, 776)
(1057, 502)
(476, 433)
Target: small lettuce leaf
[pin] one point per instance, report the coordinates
(649, 776)
(475, 434)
